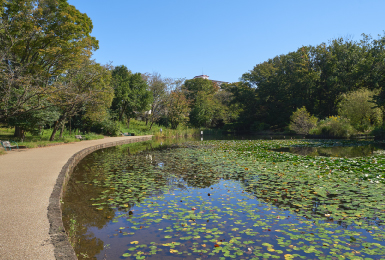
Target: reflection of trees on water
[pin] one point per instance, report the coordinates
(80, 215)
(336, 151)
(278, 193)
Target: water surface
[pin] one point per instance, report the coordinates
(225, 200)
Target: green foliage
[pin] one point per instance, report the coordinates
(84, 87)
(106, 127)
(358, 107)
(131, 93)
(242, 106)
(302, 122)
(379, 132)
(193, 86)
(314, 77)
(177, 108)
(208, 105)
(158, 87)
(259, 126)
(141, 128)
(334, 126)
(202, 111)
(34, 121)
(39, 40)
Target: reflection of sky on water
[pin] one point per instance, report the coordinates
(225, 196)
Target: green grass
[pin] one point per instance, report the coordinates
(31, 141)
(136, 127)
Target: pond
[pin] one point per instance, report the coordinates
(347, 149)
(226, 200)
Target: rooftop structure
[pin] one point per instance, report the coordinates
(202, 76)
(218, 82)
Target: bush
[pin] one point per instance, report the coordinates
(106, 127)
(379, 133)
(334, 126)
(301, 122)
(259, 126)
(359, 108)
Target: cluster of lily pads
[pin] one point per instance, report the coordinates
(241, 199)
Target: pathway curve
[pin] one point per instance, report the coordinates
(27, 180)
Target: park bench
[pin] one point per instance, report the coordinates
(9, 145)
(79, 137)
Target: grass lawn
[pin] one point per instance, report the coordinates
(30, 141)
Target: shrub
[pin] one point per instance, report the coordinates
(359, 108)
(259, 126)
(379, 132)
(106, 127)
(302, 122)
(334, 126)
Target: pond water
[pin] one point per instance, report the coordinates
(233, 199)
(363, 148)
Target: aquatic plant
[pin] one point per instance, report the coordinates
(235, 199)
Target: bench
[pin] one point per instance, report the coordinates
(126, 134)
(79, 137)
(9, 145)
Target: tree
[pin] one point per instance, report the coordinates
(358, 106)
(158, 87)
(84, 86)
(39, 40)
(131, 93)
(193, 86)
(301, 121)
(54, 34)
(177, 108)
(243, 106)
(203, 110)
(33, 121)
(200, 93)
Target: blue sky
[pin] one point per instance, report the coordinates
(224, 39)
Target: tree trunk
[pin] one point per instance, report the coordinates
(55, 127)
(19, 133)
(151, 124)
(121, 116)
(62, 129)
(128, 122)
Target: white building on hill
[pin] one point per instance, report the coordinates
(219, 83)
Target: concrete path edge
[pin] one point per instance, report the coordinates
(62, 247)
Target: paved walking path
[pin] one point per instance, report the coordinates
(27, 179)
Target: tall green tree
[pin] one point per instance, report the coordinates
(177, 108)
(131, 94)
(202, 112)
(200, 93)
(191, 88)
(84, 87)
(39, 40)
(315, 77)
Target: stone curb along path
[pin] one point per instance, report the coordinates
(31, 186)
